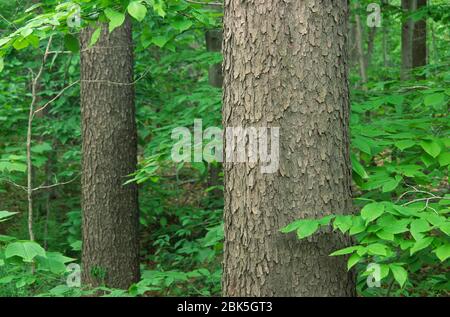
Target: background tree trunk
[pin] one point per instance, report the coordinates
(407, 33)
(419, 46)
(110, 208)
(285, 65)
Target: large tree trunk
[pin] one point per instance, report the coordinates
(110, 208)
(419, 45)
(407, 39)
(285, 65)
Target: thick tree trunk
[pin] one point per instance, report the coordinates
(419, 45)
(407, 39)
(285, 65)
(110, 208)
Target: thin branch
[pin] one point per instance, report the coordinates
(35, 82)
(56, 97)
(219, 4)
(56, 184)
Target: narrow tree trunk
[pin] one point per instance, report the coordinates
(110, 208)
(407, 32)
(419, 46)
(285, 65)
(214, 44)
(385, 35)
(359, 47)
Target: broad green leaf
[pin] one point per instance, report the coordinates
(418, 226)
(432, 147)
(400, 274)
(160, 40)
(306, 228)
(354, 258)
(2, 64)
(434, 100)
(445, 228)
(372, 211)
(115, 18)
(41, 148)
(181, 24)
(421, 244)
(444, 158)
(325, 220)
(385, 235)
(343, 223)
(137, 10)
(404, 144)
(95, 36)
(443, 252)
(392, 184)
(377, 249)
(358, 226)
(27, 250)
(54, 262)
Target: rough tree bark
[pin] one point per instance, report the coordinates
(285, 65)
(110, 252)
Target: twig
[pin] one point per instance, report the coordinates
(56, 184)
(56, 97)
(205, 3)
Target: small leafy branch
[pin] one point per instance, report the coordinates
(397, 237)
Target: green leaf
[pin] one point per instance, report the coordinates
(137, 10)
(421, 244)
(434, 100)
(306, 228)
(418, 226)
(27, 250)
(95, 36)
(41, 148)
(354, 258)
(358, 168)
(443, 252)
(377, 249)
(432, 147)
(160, 40)
(54, 262)
(385, 235)
(2, 64)
(400, 274)
(158, 7)
(115, 18)
(445, 228)
(444, 158)
(392, 184)
(345, 251)
(6, 214)
(372, 211)
(71, 43)
(404, 144)
(358, 226)
(181, 24)
(343, 223)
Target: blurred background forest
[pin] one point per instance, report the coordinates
(399, 135)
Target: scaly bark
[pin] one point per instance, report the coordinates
(285, 65)
(110, 252)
